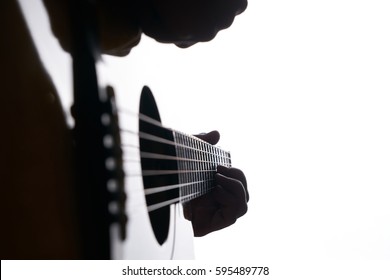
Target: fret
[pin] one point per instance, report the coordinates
(180, 154)
(199, 186)
(191, 149)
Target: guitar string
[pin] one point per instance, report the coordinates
(193, 165)
(199, 184)
(160, 140)
(221, 156)
(196, 174)
(129, 158)
(137, 116)
(155, 190)
(199, 172)
(159, 205)
(183, 198)
(207, 159)
(156, 206)
(159, 172)
(211, 152)
(143, 135)
(193, 174)
(159, 189)
(194, 192)
(156, 123)
(147, 155)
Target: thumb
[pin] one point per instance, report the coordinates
(212, 137)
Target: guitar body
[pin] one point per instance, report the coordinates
(37, 195)
(56, 215)
(166, 235)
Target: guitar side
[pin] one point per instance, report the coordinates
(140, 242)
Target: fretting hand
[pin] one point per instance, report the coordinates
(226, 202)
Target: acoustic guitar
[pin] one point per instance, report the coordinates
(132, 175)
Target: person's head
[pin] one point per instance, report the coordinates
(121, 22)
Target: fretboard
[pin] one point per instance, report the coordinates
(176, 167)
(197, 164)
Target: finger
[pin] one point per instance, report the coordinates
(212, 137)
(237, 199)
(224, 198)
(241, 7)
(224, 216)
(222, 219)
(218, 222)
(236, 174)
(230, 9)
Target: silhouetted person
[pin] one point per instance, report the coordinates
(38, 211)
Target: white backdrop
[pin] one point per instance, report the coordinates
(300, 92)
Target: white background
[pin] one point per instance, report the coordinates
(300, 92)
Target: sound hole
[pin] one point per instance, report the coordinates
(153, 162)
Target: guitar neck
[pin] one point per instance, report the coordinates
(176, 167)
(197, 164)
